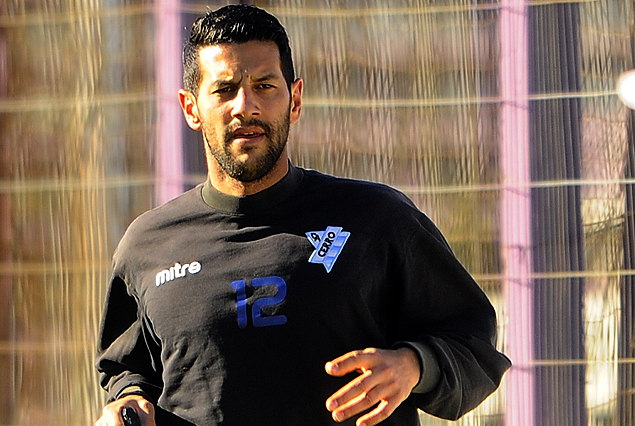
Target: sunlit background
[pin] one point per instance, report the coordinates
(500, 119)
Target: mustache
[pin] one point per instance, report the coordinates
(252, 122)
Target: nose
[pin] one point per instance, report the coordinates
(245, 103)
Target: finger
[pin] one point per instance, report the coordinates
(355, 398)
(378, 415)
(146, 413)
(380, 379)
(350, 362)
(110, 417)
(351, 390)
(359, 404)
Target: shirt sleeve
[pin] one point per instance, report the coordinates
(128, 355)
(445, 313)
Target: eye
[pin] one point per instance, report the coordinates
(224, 90)
(265, 86)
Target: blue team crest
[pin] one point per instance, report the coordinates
(328, 245)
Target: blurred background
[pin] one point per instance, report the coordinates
(499, 118)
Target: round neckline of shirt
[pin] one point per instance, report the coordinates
(260, 201)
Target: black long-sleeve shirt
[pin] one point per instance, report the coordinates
(224, 310)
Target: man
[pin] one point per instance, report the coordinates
(275, 295)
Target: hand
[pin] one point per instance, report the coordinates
(386, 379)
(111, 415)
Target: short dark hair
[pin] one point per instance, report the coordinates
(237, 23)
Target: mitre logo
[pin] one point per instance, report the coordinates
(177, 271)
(328, 245)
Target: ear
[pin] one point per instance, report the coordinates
(296, 100)
(190, 110)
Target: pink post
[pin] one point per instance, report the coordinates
(516, 212)
(169, 152)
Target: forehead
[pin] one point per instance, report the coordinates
(229, 59)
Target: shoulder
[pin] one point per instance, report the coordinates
(385, 206)
(355, 190)
(160, 219)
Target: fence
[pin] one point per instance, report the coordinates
(498, 118)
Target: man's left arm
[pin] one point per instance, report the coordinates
(444, 354)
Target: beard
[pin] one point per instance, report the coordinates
(276, 132)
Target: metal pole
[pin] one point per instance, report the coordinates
(169, 152)
(516, 212)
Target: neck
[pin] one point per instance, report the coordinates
(230, 186)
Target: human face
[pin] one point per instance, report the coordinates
(244, 109)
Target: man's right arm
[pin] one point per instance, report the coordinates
(128, 358)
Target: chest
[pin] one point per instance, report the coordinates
(258, 278)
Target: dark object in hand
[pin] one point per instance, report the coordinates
(130, 417)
